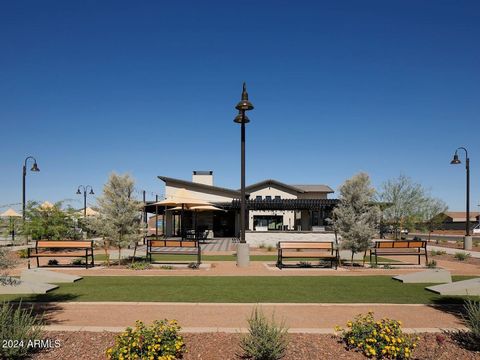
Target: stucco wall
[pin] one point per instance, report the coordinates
(270, 238)
(171, 190)
(288, 216)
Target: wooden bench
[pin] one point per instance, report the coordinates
(312, 250)
(174, 247)
(50, 248)
(398, 248)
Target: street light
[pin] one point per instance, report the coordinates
(467, 245)
(34, 169)
(85, 189)
(243, 106)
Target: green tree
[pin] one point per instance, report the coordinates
(405, 199)
(119, 220)
(431, 213)
(48, 222)
(356, 217)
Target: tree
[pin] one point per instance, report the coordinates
(404, 199)
(48, 222)
(119, 220)
(431, 213)
(356, 216)
(7, 261)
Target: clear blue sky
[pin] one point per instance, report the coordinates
(149, 88)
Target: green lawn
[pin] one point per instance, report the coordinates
(294, 289)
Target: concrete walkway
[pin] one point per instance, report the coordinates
(226, 317)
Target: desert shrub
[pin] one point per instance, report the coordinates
(261, 246)
(438, 252)
(374, 266)
(381, 339)
(161, 340)
(304, 264)
(266, 340)
(194, 265)
(21, 328)
(166, 267)
(472, 320)
(139, 265)
(461, 256)
(432, 264)
(270, 248)
(22, 253)
(387, 266)
(53, 262)
(77, 262)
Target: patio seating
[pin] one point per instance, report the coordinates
(399, 248)
(49, 248)
(174, 247)
(314, 249)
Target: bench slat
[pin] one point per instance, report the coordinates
(63, 244)
(305, 245)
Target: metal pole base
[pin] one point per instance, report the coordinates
(243, 255)
(467, 243)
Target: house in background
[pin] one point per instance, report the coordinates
(271, 206)
(456, 220)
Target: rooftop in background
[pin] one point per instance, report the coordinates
(298, 188)
(461, 216)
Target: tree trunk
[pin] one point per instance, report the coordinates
(119, 254)
(105, 248)
(352, 257)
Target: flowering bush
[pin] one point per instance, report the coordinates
(160, 341)
(380, 339)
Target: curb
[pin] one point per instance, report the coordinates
(197, 330)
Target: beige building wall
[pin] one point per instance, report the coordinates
(171, 190)
(288, 216)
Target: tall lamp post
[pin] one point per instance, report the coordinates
(244, 105)
(34, 169)
(467, 244)
(85, 189)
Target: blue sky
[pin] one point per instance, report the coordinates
(149, 88)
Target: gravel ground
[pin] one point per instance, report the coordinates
(451, 258)
(222, 346)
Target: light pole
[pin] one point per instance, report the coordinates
(244, 105)
(34, 169)
(467, 244)
(85, 189)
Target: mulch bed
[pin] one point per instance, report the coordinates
(223, 346)
(453, 245)
(448, 257)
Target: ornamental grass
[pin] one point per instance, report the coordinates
(160, 341)
(382, 339)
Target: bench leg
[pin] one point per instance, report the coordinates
(38, 262)
(426, 257)
(93, 260)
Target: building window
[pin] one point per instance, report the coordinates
(277, 197)
(258, 198)
(268, 198)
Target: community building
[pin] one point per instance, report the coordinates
(271, 206)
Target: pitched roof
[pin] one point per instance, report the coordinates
(194, 185)
(315, 188)
(296, 188)
(461, 215)
(271, 182)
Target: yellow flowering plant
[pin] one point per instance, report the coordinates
(381, 339)
(160, 341)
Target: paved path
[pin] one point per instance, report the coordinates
(210, 317)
